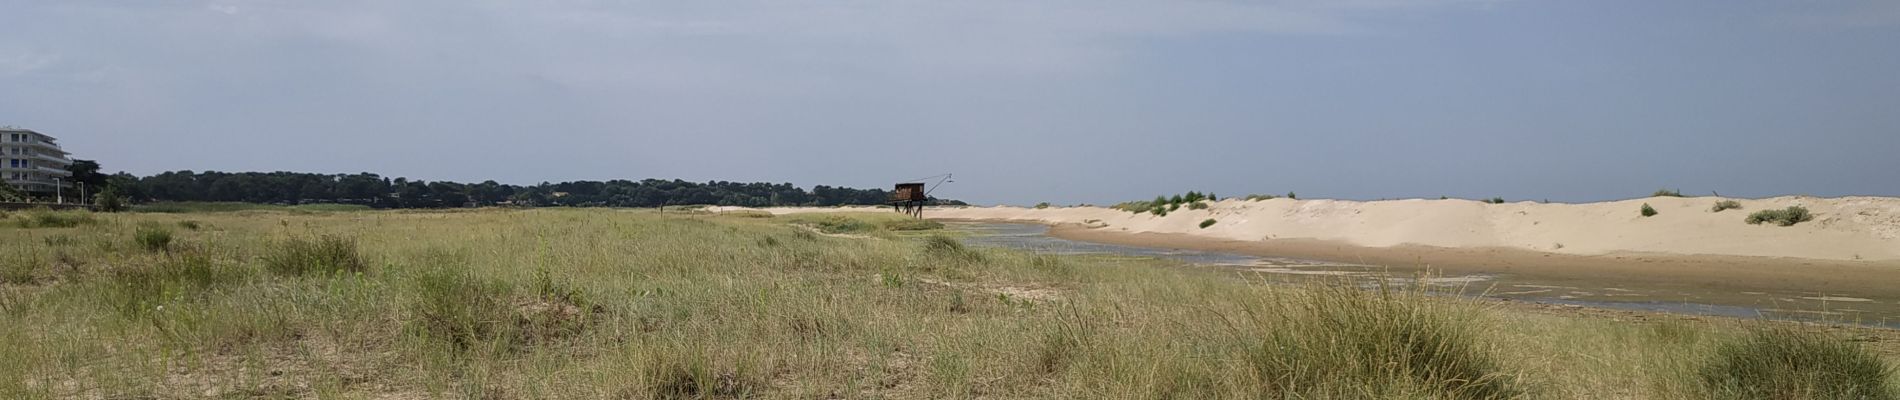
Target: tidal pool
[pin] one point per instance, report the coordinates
(1627, 294)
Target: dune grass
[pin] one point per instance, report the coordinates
(1782, 217)
(326, 254)
(43, 218)
(212, 206)
(597, 303)
(153, 237)
(1779, 362)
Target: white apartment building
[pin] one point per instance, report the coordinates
(32, 161)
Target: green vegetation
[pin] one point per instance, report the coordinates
(1666, 193)
(1796, 363)
(19, 268)
(109, 200)
(1380, 343)
(43, 218)
(748, 214)
(1783, 217)
(1042, 205)
(376, 191)
(1726, 205)
(1162, 205)
(1648, 211)
(1290, 195)
(1207, 223)
(843, 224)
(590, 303)
(1258, 197)
(204, 207)
(153, 237)
(323, 255)
(9, 194)
(1496, 200)
(882, 225)
(912, 224)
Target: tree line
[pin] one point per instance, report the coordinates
(384, 192)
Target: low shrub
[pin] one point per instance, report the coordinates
(1648, 211)
(1258, 197)
(109, 200)
(1209, 222)
(1169, 203)
(190, 225)
(331, 207)
(747, 214)
(1783, 217)
(689, 374)
(196, 207)
(1042, 205)
(1666, 193)
(1496, 200)
(153, 237)
(327, 254)
(1725, 205)
(60, 241)
(8, 193)
(843, 224)
(1378, 343)
(1795, 363)
(138, 290)
(460, 309)
(912, 224)
(941, 243)
(949, 247)
(1197, 206)
(57, 219)
(1133, 206)
(19, 268)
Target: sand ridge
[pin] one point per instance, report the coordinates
(1843, 229)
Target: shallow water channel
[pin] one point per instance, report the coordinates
(1618, 295)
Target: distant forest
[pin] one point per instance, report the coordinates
(381, 192)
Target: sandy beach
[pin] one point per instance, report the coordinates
(1851, 248)
(1848, 229)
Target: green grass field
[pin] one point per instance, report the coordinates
(635, 304)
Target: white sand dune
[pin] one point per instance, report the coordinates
(1848, 228)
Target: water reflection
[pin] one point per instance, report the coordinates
(1617, 295)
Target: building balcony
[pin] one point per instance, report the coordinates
(60, 172)
(31, 182)
(60, 160)
(42, 145)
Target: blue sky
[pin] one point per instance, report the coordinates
(1061, 101)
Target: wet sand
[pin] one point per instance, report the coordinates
(1710, 275)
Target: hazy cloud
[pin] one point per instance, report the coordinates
(23, 62)
(1065, 101)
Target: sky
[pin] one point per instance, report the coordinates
(1087, 101)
